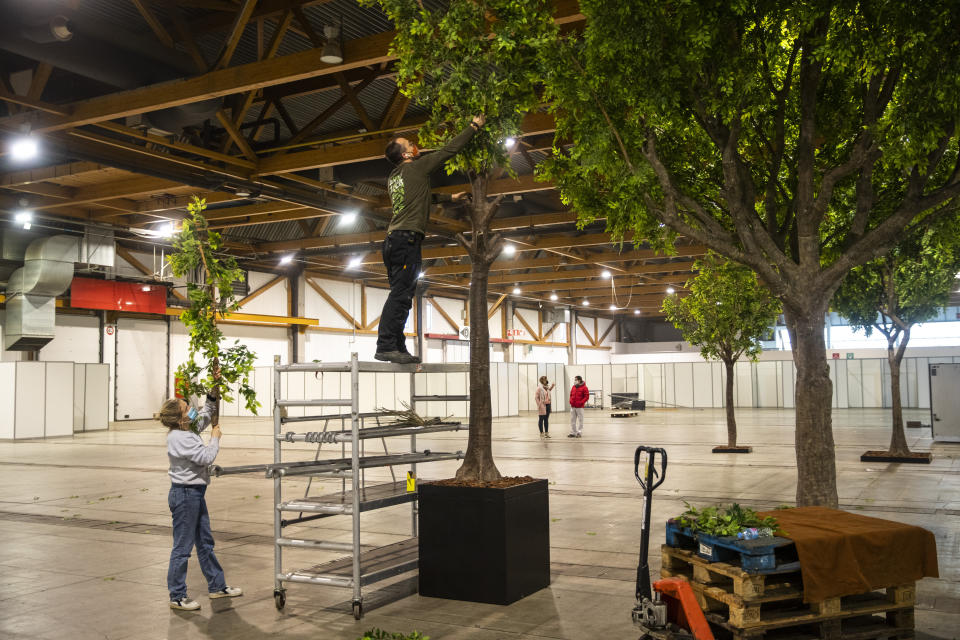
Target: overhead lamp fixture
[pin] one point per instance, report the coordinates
(242, 192)
(348, 218)
(509, 249)
(287, 259)
(613, 307)
(636, 312)
(420, 277)
(332, 52)
(145, 288)
(355, 262)
(516, 291)
(510, 143)
(24, 217)
(671, 291)
(24, 148)
(165, 230)
(586, 303)
(553, 297)
(606, 274)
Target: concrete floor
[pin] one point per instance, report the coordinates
(85, 530)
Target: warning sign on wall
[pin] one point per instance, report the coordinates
(109, 329)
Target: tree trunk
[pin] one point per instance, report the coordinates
(816, 462)
(898, 440)
(478, 465)
(731, 416)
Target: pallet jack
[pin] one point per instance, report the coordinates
(668, 611)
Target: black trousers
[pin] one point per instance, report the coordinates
(543, 422)
(401, 257)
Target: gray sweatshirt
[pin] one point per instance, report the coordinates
(189, 457)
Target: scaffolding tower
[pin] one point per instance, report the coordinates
(359, 568)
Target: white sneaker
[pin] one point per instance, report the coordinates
(184, 604)
(227, 592)
(546, 435)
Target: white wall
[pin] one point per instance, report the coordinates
(76, 339)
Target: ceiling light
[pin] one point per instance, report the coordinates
(23, 216)
(287, 259)
(145, 288)
(613, 307)
(671, 291)
(509, 249)
(348, 218)
(24, 148)
(553, 296)
(516, 291)
(165, 230)
(422, 273)
(331, 53)
(355, 262)
(510, 143)
(242, 192)
(636, 312)
(605, 274)
(586, 303)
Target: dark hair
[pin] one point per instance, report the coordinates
(394, 152)
(578, 378)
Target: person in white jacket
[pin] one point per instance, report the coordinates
(189, 459)
(542, 398)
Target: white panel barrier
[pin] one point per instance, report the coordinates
(50, 399)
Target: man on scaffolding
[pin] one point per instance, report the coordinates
(410, 190)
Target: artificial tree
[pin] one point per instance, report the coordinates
(798, 138)
(459, 59)
(910, 285)
(725, 314)
(196, 256)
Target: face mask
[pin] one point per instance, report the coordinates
(192, 414)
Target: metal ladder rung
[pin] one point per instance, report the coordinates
(334, 581)
(332, 402)
(314, 507)
(316, 544)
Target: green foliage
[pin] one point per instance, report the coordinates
(380, 634)
(462, 58)
(196, 249)
(719, 521)
(726, 312)
(909, 285)
(776, 132)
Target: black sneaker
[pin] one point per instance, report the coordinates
(570, 435)
(395, 357)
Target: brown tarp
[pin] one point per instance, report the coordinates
(844, 553)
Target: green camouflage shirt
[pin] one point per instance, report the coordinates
(409, 185)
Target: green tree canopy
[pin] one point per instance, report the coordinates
(797, 137)
(891, 294)
(196, 256)
(726, 312)
(460, 59)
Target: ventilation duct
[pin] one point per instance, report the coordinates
(33, 289)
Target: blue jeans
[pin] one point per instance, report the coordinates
(191, 526)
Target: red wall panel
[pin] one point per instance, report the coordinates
(89, 293)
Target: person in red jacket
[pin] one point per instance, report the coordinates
(578, 397)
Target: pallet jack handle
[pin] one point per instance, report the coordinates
(650, 472)
(648, 484)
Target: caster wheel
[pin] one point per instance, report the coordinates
(280, 598)
(357, 610)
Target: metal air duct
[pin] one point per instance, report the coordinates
(32, 291)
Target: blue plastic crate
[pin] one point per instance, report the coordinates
(753, 556)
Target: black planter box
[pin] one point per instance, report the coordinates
(484, 545)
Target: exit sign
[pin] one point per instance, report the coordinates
(514, 333)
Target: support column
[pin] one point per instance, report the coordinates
(572, 338)
(296, 284)
(508, 310)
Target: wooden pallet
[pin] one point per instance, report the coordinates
(761, 555)
(749, 587)
(754, 606)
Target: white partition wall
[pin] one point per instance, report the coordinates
(141, 382)
(8, 382)
(37, 399)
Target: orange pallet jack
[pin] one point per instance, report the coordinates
(668, 611)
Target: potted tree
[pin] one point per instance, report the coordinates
(893, 293)
(725, 314)
(196, 256)
(459, 59)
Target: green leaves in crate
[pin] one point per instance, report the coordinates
(380, 634)
(719, 521)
